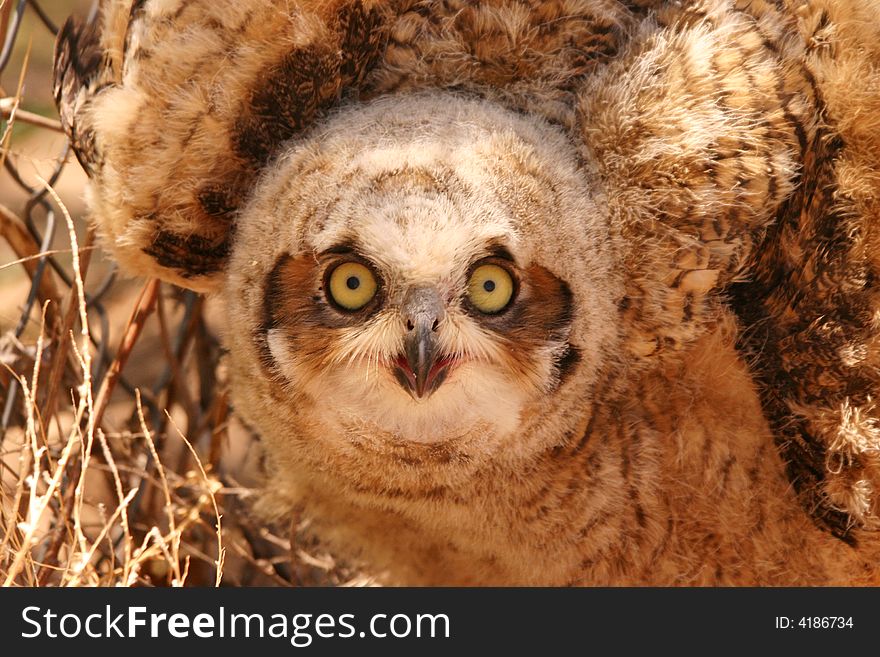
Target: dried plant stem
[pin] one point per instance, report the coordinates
(5, 13)
(27, 460)
(37, 503)
(59, 358)
(85, 410)
(142, 310)
(90, 553)
(7, 134)
(9, 109)
(145, 307)
(173, 559)
(221, 551)
(13, 230)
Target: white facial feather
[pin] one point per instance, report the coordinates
(357, 391)
(423, 196)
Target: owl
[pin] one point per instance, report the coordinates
(578, 292)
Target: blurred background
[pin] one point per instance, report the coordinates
(31, 150)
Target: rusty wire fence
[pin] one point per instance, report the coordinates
(120, 461)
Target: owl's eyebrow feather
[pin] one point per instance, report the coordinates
(341, 248)
(499, 250)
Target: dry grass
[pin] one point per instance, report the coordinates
(56, 528)
(121, 462)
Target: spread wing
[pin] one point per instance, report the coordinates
(80, 72)
(812, 309)
(174, 108)
(740, 148)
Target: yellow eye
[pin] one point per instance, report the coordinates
(490, 289)
(352, 285)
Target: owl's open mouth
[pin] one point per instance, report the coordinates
(421, 382)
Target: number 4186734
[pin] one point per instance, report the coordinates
(814, 622)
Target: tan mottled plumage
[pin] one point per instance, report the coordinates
(687, 198)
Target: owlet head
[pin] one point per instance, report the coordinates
(409, 271)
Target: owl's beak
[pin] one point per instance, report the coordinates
(421, 369)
